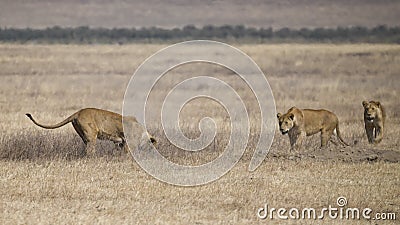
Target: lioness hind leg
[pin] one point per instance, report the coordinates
(79, 130)
(324, 140)
(91, 138)
(325, 137)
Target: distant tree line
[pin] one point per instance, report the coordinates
(240, 33)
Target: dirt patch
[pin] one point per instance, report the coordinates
(344, 154)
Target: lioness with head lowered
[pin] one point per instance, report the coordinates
(92, 124)
(374, 121)
(299, 123)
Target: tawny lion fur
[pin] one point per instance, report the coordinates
(299, 123)
(92, 124)
(374, 121)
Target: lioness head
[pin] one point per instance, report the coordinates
(286, 122)
(371, 109)
(137, 134)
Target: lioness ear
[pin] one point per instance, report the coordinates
(278, 115)
(291, 116)
(365, 103)
(378, 104)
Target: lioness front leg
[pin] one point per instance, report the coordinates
(296, 142)
(370, 133)
(292, 140)
(378, 135)
(300, 140)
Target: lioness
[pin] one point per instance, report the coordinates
(374, 120)
(299, 123)
(92, 124)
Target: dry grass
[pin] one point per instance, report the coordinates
(77, 192)
(44, 177)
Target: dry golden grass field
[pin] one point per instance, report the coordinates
(46, 179)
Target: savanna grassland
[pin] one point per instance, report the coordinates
(45, 177)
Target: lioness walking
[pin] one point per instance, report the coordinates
(92, 124)
(299, 123)
(374, 120)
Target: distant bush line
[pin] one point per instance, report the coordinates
(239, 33)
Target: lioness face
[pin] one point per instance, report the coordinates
(286, 122)
(137, 135)
(371, 110)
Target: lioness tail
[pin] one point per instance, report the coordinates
(68, 120)
(339, 136)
